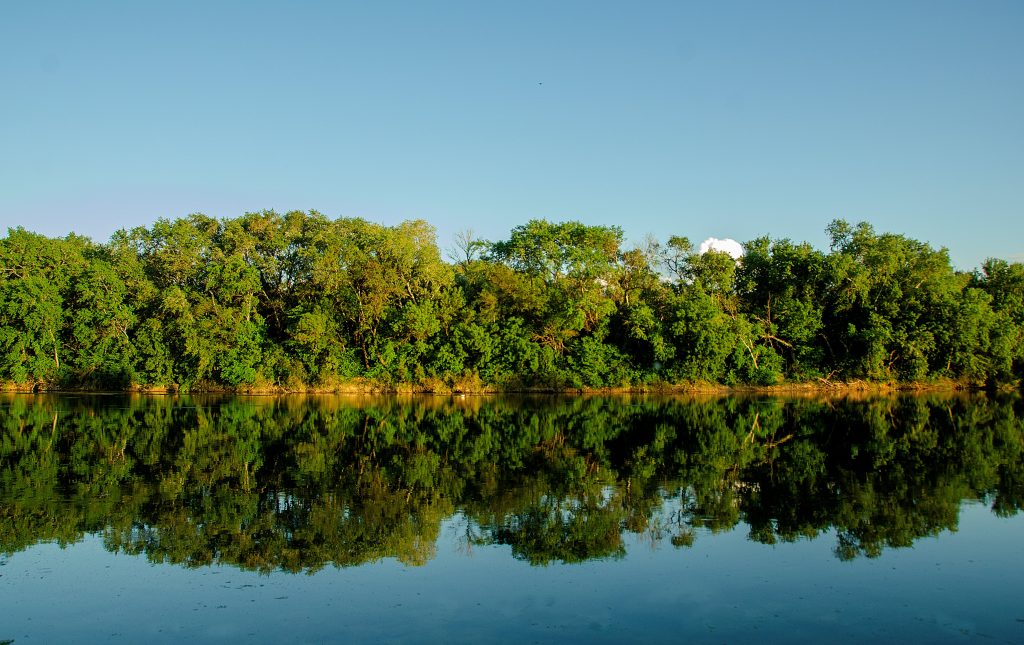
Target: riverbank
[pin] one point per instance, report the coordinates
(439, 388)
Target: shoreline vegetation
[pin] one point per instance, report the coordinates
(442, 389)
(272, 304)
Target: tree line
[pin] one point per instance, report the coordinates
(300, 301)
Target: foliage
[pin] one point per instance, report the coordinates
(300, 301)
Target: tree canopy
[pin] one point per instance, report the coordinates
(301, 301)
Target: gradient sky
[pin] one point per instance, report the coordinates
(725, 119)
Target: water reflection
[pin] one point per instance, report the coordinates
(300, 483)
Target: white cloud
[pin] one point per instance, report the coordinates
(728, 245)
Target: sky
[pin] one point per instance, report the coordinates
(713, 119)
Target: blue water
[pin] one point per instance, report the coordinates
(955, 587)
(511, 520)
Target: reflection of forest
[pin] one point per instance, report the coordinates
(298, 483)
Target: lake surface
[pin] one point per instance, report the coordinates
(530, 519)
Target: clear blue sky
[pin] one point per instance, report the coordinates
(726, 119)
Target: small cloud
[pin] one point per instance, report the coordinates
(728, 245)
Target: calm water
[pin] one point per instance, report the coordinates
(637, 519)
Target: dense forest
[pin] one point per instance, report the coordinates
(300, 301)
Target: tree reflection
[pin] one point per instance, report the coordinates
(300, 483)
